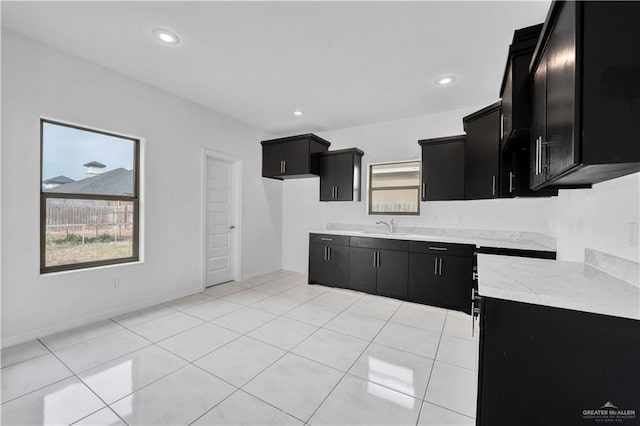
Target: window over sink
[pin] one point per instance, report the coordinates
(394, 188)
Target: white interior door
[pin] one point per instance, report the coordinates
(220, 230)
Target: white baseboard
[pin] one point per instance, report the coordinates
(257, 274)
(56, 328)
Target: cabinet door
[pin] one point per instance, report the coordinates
(482, 160)
(455, 281)
(337, 268)
(296, 157)
(443, 171)
(538, 122)
(558, 146)
(317, 254)
(393, 273)
(272, 157)
(362, 269)
(344, 177)
(423, 278)
(327, 177)
(545, 366)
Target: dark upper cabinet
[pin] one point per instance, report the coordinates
(293, 157)
(540, 365)
(515, 88)
(329, 260)
(482, 153)
(341, 175)
(442, 168)
(586, 95)
(516, 117)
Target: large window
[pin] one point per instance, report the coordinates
(88, 198)
(394, 188)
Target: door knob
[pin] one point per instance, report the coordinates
(232, 227)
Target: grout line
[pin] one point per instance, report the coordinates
(351, 366)
(85, 385)
(246, 334)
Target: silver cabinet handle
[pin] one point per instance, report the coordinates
(325, 253)
(326, 239)
(501, 126)
(511, 175)
(337, 191)
(493, 184)
(329, 253)
(424, 189)
(284, 166)
(440, 267)
(438, 248)
(378, 259)
(435, 266)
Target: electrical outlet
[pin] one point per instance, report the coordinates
(116, 283)
(633, 234)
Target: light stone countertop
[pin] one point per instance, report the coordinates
(479, 242)
(569, 285)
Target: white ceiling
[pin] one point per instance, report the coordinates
(342, 63)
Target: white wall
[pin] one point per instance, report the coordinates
(393, 141)
(39, 81)
(601, 218)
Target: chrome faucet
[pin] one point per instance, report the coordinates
(390, 225)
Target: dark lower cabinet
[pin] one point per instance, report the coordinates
(438, 274)
(455, 281)
(438, 279)
(375, 271)
(423, 278)
(362, 269)
(329, 260)
(548, 366)
(392, 273)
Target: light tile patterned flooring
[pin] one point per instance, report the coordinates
(269, 350)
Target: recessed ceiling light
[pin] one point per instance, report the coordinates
(165, 36)
(447, 79)
(297, 113)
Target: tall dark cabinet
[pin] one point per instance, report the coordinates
(341, 175)
(482, 153)
(293, 156)
(586, 95)
(442, 168)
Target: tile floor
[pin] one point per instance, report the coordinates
(268, 350)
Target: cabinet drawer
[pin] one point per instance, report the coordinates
(337, 240)
(380, 243)
(441, 248)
